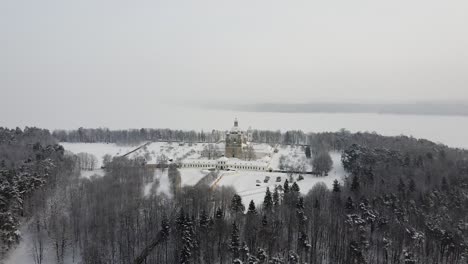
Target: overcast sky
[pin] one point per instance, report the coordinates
(87, 58)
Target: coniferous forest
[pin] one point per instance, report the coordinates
(404, 201)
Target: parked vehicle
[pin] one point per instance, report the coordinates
(267, 178)
(278, 179)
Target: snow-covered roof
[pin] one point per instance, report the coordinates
(229, 161)
(199, 161)
(223, 159)
(235, 129)
(234, 161)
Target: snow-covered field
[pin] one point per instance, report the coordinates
(97, 149)
(245, 182)
(249, 184)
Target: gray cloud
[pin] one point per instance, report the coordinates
(89, 59)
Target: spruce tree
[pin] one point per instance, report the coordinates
(206, 222)
(286, 186)
(236, 204)
(276, 197)
(234, 245)
(187, 241)
(252, 210)
(268, 201)
(336, 186)
(295, 188)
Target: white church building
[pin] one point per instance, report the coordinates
(224, 163)
(236, 143)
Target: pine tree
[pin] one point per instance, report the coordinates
(268, 201)
(187, 241)
(204, 219)
(295, 188)
(252, 210)
(336, 186)
(234, 245)
(236, 204)
(286, 186)
(276, 198)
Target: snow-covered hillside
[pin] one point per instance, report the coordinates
(249, 184)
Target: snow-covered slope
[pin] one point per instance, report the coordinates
(245, 182)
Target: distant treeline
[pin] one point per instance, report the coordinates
(130, 136)
(325, 140)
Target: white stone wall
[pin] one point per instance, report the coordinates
(225, 165)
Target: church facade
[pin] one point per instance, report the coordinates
(236, 141)
(237, 146)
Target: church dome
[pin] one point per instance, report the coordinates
(235, 128)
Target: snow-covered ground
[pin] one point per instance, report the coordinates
(294, 158)
(163, 186)
(192, 176)
(97, 149)
(245, 182)
(151, 152)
